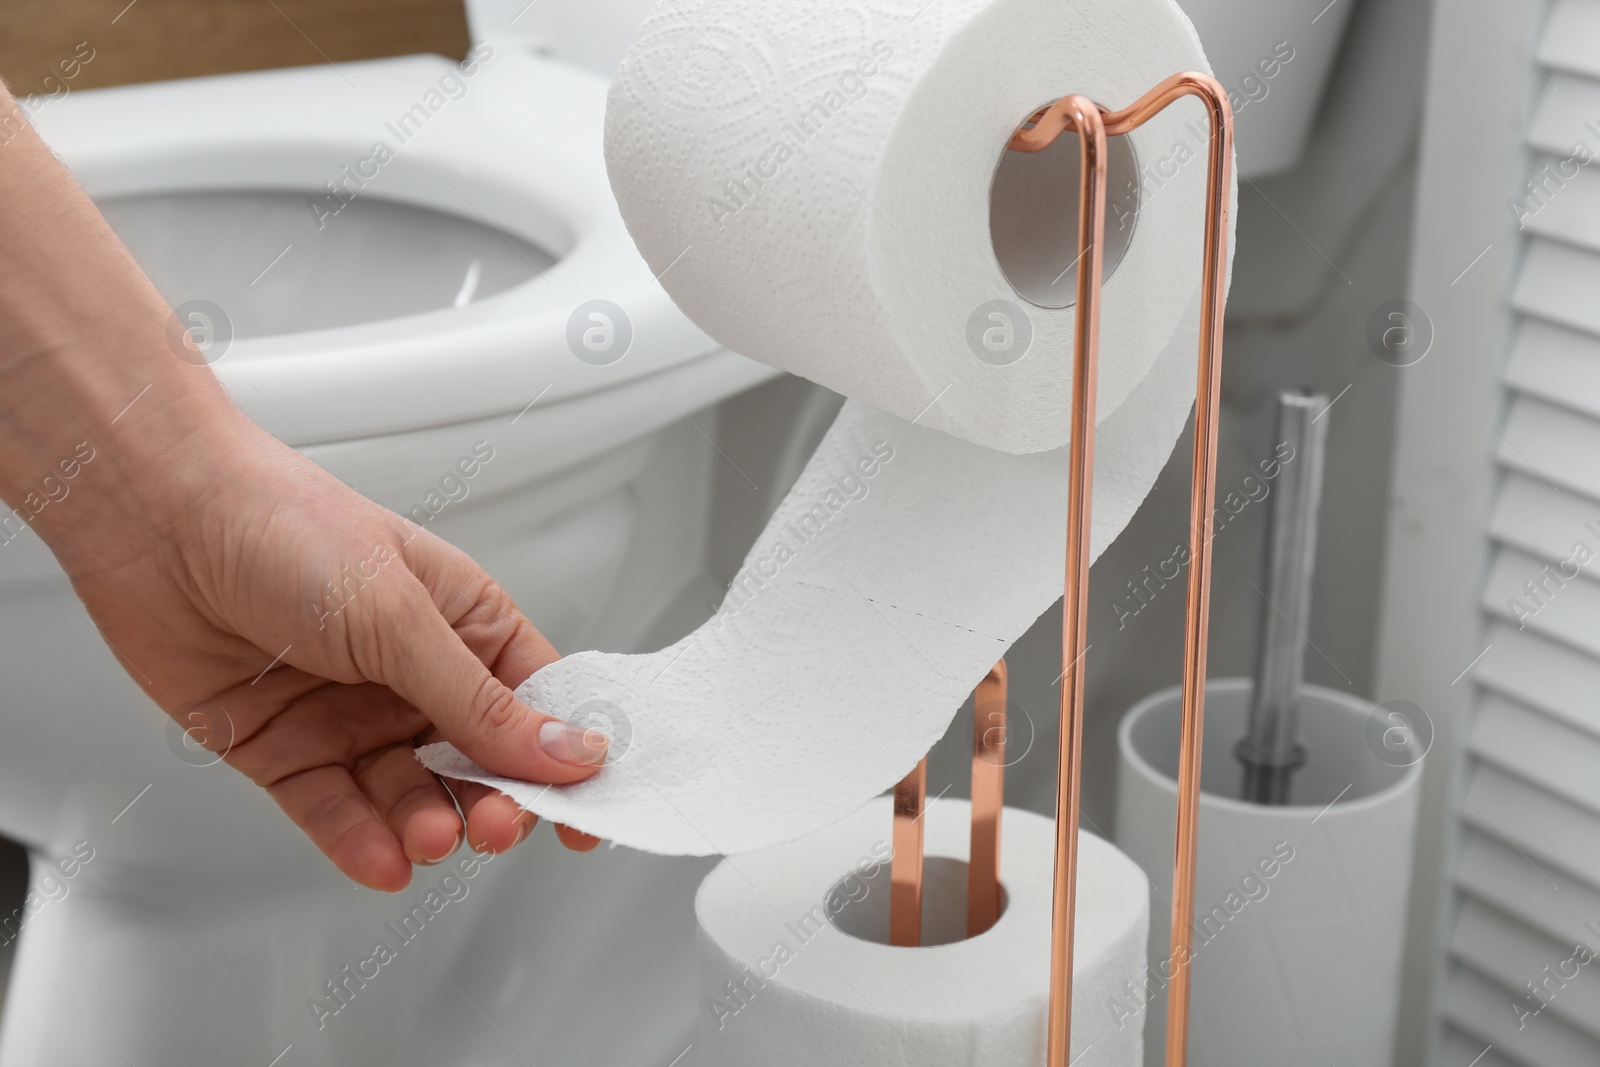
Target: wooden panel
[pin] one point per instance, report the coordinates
(51, 46)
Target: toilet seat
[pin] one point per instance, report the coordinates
(520, 150)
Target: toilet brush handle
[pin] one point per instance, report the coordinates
(1270, 750)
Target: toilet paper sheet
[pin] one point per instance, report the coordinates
(900, 567)
(782, 985)
(913, 551)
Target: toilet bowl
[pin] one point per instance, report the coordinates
(391, 265)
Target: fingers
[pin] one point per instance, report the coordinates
(576, 840)
(413, 803)
(331, 724)
(232, 717)
(329, 807)
(454, 655)
(417, 653)
(494, 821)
(482, 613)
(393, 813)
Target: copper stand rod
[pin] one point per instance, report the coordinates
(1077, 113)
(905, 867)
(1202, 502)
(988, 800)
(1085, 118)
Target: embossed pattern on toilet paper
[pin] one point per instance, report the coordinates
(811, 181)
(825, 679)
(909, 556)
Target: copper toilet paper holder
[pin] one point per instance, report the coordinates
(1092, 125)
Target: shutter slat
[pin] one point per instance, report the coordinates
(1569, 38)
(1494, 872)
(1557, 680)
(1541, 749)
(1458, 1048)
(1547, 523)
(1566, 114)
(1551, 444)
(1550, 834)
(1562, 198)
(1559, 366)
(1533, 595)
(1479, 1006)
(1513, 955)
(1559, 283)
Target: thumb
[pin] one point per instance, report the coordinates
(429, 663)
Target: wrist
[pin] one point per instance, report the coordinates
(105, 450)
(109, 420)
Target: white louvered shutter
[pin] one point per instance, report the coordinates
(1526, 874)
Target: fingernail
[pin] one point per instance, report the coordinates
(454, 844)
(572, 744)
(525, 824)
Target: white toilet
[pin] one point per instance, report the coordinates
(392, 264)
(439, 304)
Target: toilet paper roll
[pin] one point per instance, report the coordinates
(782, 984)
(813, 183)
(906, 560)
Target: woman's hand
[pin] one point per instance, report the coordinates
(304, 632)
(312, 638)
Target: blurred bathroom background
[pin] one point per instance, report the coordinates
(1384, 202)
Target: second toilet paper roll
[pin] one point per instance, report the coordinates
(912, 552)
(783, 984)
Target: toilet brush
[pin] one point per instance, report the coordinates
(1270, 750)
(1316, 945)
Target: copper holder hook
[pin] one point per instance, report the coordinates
(1093, 126)
(988, 800)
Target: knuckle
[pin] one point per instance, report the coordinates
(498, 601)
(334, 816)
(494, 708)
(419, 796)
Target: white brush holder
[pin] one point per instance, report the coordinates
(1300, 909)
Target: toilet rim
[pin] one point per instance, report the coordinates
(521, 151)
